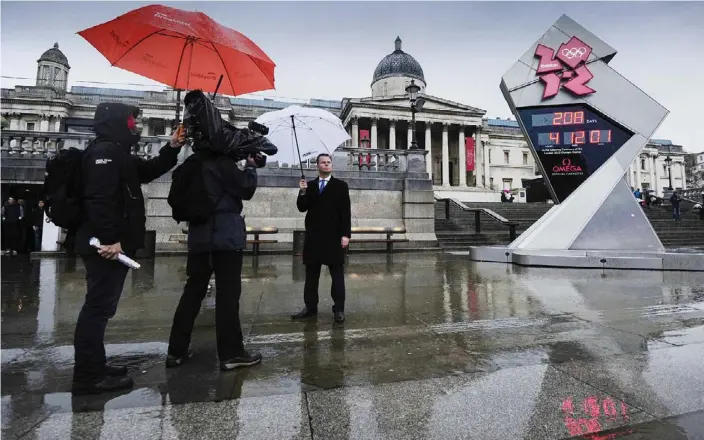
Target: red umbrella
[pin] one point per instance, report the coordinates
(185, 50)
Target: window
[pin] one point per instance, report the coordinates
(642, 164)
(506, 156)
(30, 126)
(386, 89)
(159, 127)
(489, 156)
(664, 169)
(525, 158)
(491, 182)
(507, 183)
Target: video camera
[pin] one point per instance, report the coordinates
(206, 130)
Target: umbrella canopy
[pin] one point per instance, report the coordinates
(302, 133)
(185, 50)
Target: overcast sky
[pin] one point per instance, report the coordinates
(329, 50)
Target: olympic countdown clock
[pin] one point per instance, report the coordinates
(571, 142)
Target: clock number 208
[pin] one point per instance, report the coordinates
(568, 118)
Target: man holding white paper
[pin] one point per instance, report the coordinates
(113, 213)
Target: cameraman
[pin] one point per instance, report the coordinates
(216, 244)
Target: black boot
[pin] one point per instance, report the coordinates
(106, 385)
(115, 370)
(304, 313)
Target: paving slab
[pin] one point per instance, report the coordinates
(662, 382)
(517, 403)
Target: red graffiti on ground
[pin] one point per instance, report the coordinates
(587, 420)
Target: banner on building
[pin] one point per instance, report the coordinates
(364, 136)
(365, 159)
(469, 151)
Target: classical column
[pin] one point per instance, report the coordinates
(392, 134)
(639, 179)
(373, 134)
(656, 179)
(445, 156)
(428, 148)
(410, 135)
(478, 158)
(355, 133)
(57, 124)
(653, 169)
(487, 166)
(463, 158)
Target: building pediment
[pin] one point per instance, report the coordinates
(433, 105)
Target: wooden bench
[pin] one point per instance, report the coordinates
(256, 232)
(357, 230)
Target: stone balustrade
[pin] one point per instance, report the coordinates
(17, 143)
(40, 145)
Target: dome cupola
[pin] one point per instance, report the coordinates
(395, 71)
(52, 69)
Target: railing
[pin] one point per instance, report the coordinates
(512, 225)
(30, 144)
(36, 144)
(692, 193)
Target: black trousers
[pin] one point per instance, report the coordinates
(228, 289)
(13, 233)
(337, 291)
(104, 279)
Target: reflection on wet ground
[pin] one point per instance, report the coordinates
(434, 347)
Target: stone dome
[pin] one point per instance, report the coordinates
(54, 55)
(398, 63)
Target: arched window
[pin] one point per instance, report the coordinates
(386, 88)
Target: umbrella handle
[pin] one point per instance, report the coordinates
(300, 162)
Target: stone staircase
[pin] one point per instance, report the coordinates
(458, 232)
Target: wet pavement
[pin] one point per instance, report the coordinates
(434, 347)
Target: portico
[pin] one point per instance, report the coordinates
(441, 129)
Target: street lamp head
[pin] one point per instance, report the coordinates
(412, 91)
(364, 143)
(668, 160)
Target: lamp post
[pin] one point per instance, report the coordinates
(416, 106)
(668, 162)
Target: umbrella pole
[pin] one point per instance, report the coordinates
(178, 108)
(293, 125)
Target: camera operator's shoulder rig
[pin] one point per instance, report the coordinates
(205, 129)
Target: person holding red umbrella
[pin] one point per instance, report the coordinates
(113, 212)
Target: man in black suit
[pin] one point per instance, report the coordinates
(328, 231)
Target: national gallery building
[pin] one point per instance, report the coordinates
(471, 157)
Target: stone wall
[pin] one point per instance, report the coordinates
(380, 199)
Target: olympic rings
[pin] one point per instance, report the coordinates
(575, 52)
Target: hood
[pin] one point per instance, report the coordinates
(110, 122)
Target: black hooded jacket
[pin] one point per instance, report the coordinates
(111, 178)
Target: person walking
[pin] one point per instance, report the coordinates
(328, 225)
(113, 207)
(675, 200)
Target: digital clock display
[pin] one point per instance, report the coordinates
(571, 142)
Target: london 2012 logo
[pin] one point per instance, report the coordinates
(568, 65)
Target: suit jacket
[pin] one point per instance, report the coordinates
(328, 219)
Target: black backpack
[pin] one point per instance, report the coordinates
(188, 196)
(63, 194)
